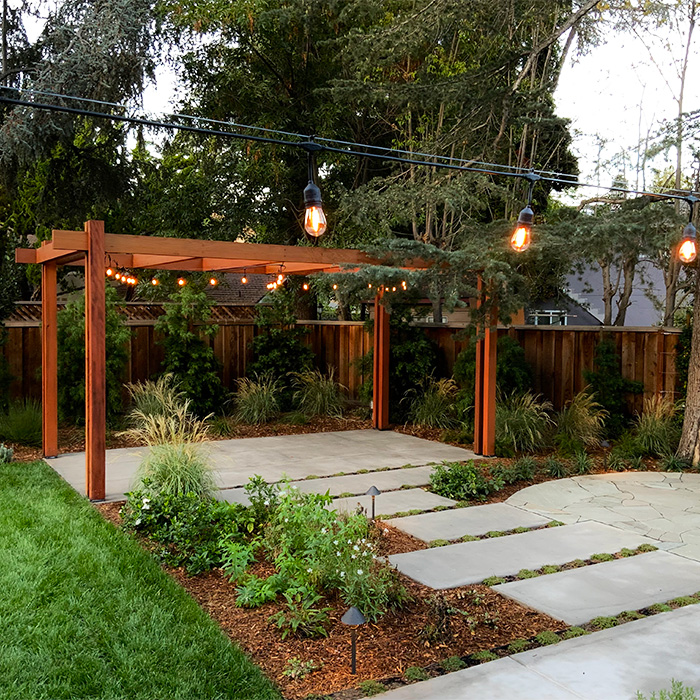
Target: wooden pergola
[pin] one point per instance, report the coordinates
(94, 249)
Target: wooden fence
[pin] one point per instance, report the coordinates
(558, 355)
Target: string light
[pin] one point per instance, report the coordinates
(110, 272)
(155, 282)
(213, 281)
(335, 286)
(181, 281)
(244, 279)
(305, 286)
(688, 248)
(522, 236)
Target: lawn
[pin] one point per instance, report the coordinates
(87, 613)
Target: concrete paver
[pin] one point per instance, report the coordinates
(393, 502)
(578, 595)
(471, 562)
(610, 665)
(475, 520)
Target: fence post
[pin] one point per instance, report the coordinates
(380, 386)
(49, 361)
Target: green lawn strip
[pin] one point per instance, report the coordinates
(87, 613)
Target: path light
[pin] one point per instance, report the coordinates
(374, 492)
(353, 617)
(688, 248)
(522, 236)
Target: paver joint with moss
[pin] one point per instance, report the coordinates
(87, 613)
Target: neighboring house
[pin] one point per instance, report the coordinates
(561, 311)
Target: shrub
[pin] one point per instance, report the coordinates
(302, 618)
(155, 398)
(610, 387)
(254, 591)
(525, 469)
(434, 404)
(257, 399)
(582, 463)
(581, 424)
(574, 632)
(547, 637)
(177, 469)
(318, 394)
(678, 692)
(484, 656)
(71, 359)
(518, 645)
(453, 663)
(672, 463)
(603, 623)
(236, 556)
(522, 421)
(370, 688)
(415, 673)
(605, 556)
(554, 468)
(526, 573)
(183, 331)
(493, 581)
(22, 424)
(656, 430)
(176, 427)
(461, 481)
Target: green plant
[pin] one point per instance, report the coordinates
(547, 637)
(370, 688)
(71, 358)
(452, 663)
(602, 557)
(493, 581)
(574, 632)
(294, 418)
(6, 454)
(184, 330)
(461, 481)
(603, 623)
(525, 469)
(255, 591)
(155, 398)
(551, 569)
(221, 426)
(610, 387)
(518, 645)
(576, 564)
(554, 523)
(317, 394)
(522, 421)
(520, 530)
(22, 424)
(302, 617)
(678, 692)
(415, 673)
(616, 461)
(236, 557)
(468, 538)
(495, 533)
(179, 426)
(630, 615)
(258, 399)
(554, 468)
(660, 607)
(438, 543)
(177, 469)
(646, 548)
(433, 404)
(682, 601)
(296, 669)
(672, 463)
(526, 573)
(626, 552)
(580, 424)
(484, 656)
(582, 463)
(657, 430)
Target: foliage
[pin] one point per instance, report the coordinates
(296, 669)
(317, 394)
(188, 527)
(580, 424)
(433, 405)
(22, 423)
(610, 387)
(155, 398)
(71, 358)
(263, 499)
(672, 463)
(177, 426)
(254, 591)
(683, 348)
(236, 556)
(6, 454)
(258, 399)
(371, 688)
(513, 373)
(555, 468)
(525, 468)
(184, 330)
(462, 481)
(583, 463)
(177, 469)
(452, 663)
(657, 430)
(547, 637)
(522, 421)
(678, 692)
(302, 618)
(415, 673)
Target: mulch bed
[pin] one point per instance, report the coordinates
(384, 650)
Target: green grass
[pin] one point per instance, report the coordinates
(86, 613)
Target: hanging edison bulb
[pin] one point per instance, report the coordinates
(213, 281)
(688, 248)
(522, 236)
(155, 282)
(181, 281)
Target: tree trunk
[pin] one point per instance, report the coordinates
(623, 303)
(689, 447)
(437, 309)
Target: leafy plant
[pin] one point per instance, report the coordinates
(554, 468)
(317, 394)
(370, 688)
(526, 573)
(415, 673)
(574, 632)
(493, 581)
(6, 454)
(257, 398)
(184, 330)
(236, 557)
(452, 663)
(672, 463)
(582, 463)
(255, 591)
(518, 645)
(302, 618)
(547, 637)
(462, 481)
(580, 424)
(610, 387)
(484, 656)
(678, 692)
(603, 622)
(605, 556)
(433, 404)
(525, 469)
(22, 424)
(71, 358)
(296, 669)
(656, 430)
(522, 421)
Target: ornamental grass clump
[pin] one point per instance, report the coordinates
(22, 423)
(657, 430)
(522, 422)
(317, 394)
(154, 398)
(434, 405)
(581, 424)
(258, 398)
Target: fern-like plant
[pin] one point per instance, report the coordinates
(580, 424)
(257, 398)
(522, 421)
(318, 394)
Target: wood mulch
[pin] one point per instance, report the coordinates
(480, 619)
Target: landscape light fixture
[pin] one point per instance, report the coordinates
(314, 219)
(688, 248)
(522, 236)
(374, 492)
(353, 617)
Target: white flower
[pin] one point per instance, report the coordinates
(356, 548)
(145, 506)
(335, 542)
(146, 499)
(323, 530)
(353, 556)
(337, 554)
(349, 541)
(360, 572)
(386, 529)
(310, 571)
(267, 503)
(286, 520)
(363, 540)
(342, 574)
(137, 521)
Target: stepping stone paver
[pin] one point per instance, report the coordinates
(474, 520)
(470, 562)
(393, 502)
(578, 595)
(610, 665)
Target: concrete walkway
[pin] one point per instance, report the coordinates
(277, 457)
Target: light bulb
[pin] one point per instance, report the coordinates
(181, 281)
(154, 282)
(304, 286)
(110, 272)
(688, 250)
(213, 281)
(315, 221)
(521, 239)
(369, 286)
(393, 289)
(244, 280)
(335, 286)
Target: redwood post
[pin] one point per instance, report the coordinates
(49, 361)
(380, 393)
(95, 362)
(489, 384)
(479, 380)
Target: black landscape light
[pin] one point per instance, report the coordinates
(374, 492)
(354, 618)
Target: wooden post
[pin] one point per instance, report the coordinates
(380, 393)
(485, 382)
(49, 361)
(479, 381)
(95, 362)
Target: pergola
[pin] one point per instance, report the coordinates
(94, 249)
